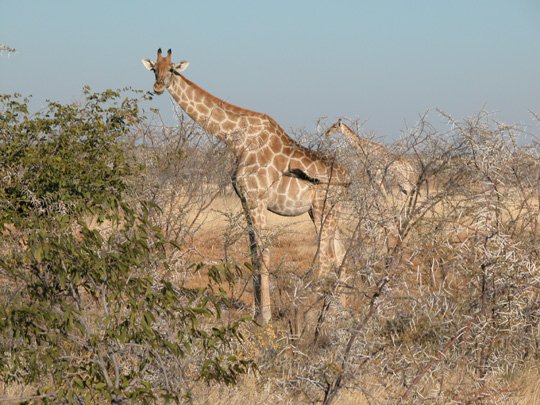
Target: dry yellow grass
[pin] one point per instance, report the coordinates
(15, 393)
(293, 238)
(527, 387)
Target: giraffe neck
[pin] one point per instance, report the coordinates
(359, 141)
(231, 124)
(248, 133)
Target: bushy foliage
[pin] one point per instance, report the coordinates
(84, 314)
(64, 159)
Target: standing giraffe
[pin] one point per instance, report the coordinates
(403, 172)
(273, 172)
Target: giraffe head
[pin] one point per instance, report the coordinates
(164, 70)
(337, 127)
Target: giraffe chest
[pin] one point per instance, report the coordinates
(283, 195)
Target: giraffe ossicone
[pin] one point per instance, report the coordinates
(273, 172)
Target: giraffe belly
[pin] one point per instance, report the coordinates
(290, 197)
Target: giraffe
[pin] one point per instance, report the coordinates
(405, 174)
(272, 172)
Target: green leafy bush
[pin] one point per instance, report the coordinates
(84, 315)
(66, 158)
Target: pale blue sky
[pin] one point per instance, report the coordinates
(383, 62)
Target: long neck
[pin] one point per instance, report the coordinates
(224, 120)
(360, 142)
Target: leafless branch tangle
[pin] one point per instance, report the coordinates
(437, 300)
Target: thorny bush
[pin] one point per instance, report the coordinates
(438, 296)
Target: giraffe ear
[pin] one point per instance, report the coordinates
(181, 66)
(148, 64)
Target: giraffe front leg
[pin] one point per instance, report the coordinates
(260, 258)
(339, 239)
(263, 310)
(255, 213)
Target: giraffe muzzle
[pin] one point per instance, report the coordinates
(159, 88)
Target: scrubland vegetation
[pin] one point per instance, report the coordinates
(125, 273)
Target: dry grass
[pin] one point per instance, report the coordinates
(527, 386)
(295, 237)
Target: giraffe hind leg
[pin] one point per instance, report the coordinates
(330, 251)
